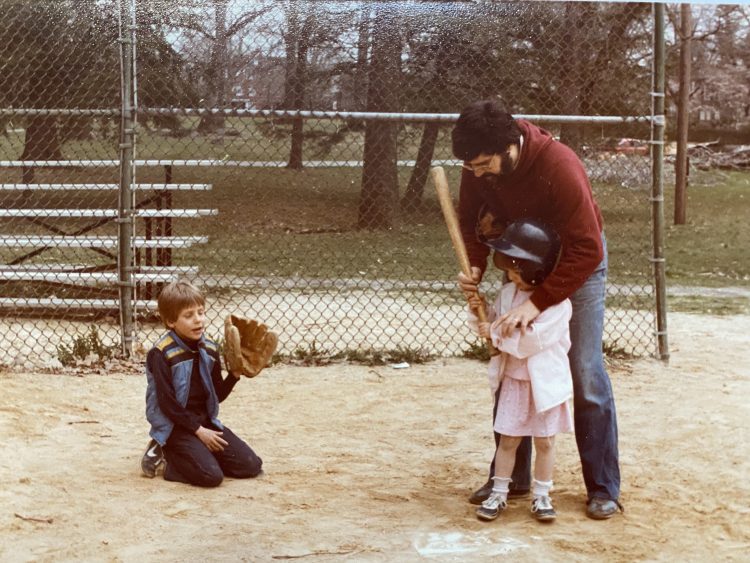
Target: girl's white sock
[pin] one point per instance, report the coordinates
(501, 486)
(540, 488)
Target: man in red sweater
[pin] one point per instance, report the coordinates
(518, 171)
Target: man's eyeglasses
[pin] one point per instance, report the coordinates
(478, 166)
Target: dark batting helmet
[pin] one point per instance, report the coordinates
(529, 246)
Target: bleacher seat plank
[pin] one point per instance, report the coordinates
(96, 274)
(106, 213)
(59, 303)
(24, 241)
(83, 277)
(76, 268)
(103, 187)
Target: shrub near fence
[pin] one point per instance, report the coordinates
(290, 243)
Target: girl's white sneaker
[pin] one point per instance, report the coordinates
(542, 509)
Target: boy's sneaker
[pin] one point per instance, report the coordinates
(153, 461)
(541, 508)
(492, 507)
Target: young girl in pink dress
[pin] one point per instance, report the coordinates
(532, 368)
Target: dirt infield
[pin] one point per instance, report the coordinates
(375, 464)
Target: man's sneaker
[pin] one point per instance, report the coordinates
(541, 508)
(483, 493)
(492, 507)
(153, 461)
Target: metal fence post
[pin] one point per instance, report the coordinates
(657, 183)
(125, 214)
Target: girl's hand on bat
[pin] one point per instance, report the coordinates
(484, 330)
(519, 318)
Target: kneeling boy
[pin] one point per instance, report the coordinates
(184, 390)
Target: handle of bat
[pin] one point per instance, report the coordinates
(451, 221)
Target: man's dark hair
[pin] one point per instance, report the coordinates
(484, 127)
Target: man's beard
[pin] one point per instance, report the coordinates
(506, 167)
(506, 163)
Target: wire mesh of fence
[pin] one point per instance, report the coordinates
(280, 158)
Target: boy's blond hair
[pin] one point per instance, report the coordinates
(175, 298)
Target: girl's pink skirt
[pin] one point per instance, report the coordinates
(516, 415)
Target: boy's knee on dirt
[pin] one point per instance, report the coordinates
(209, 477)
(247, 466)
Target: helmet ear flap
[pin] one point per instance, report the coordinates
(533, 275)
(538, 277)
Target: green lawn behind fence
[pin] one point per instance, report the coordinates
(272, 222)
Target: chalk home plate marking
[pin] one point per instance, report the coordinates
(431, 544)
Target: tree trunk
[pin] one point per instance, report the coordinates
(379, 195)
(297, 45)
(217, 73)
(75, 128)
(42, 143)
(291, 37)
(572, 57)
(298, 102)
(359, 93)
(415, 189)
(446, 41)
(683, 113)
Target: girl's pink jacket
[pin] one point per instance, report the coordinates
(544, 347)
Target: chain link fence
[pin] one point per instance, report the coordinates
(280, 158)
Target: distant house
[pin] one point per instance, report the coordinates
(722, 98)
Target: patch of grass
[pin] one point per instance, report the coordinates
(615, 352)
(280, 222)
(711, 249)
(85, 347)
(286, 223)
(312, 355)
(476, 350)
(383, 357)
(709, 305)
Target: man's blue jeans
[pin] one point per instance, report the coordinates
(593, 402)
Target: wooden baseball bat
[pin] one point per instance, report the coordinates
(451, 221)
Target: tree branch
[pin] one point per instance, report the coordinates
(246, 19)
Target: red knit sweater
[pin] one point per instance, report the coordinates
(548, 184)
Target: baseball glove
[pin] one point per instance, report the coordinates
(248, 345)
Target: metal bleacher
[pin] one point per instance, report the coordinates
(31, 282)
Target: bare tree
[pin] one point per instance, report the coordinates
(379, 196)
(218, 31)
(439, 59)
(50, 63)
(308, 27)
(297, 37)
